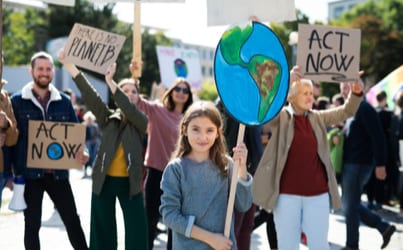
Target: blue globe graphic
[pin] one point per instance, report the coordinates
(235, 85)
(54, 151)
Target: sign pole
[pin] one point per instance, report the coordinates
(234, 181)
(137, 39)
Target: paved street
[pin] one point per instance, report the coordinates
(55, 237)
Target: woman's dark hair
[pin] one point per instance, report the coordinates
(167, 100)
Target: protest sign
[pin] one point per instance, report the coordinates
(330, 54)
(54, 144)
(225, 12)
(92, 48)
(178, 62)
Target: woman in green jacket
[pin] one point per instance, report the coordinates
(117, 171)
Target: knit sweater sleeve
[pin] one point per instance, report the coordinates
(171, 201)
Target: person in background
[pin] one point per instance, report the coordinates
(295, 176)
(244, 221)
(323, 103)
(363, 152)
(399, 102)
(316, 91)
(383, 191)
(78, 108)
(40, 100)
(196, 183)
(163, 131)
(337, 100)
(335, 138)
(8, 130)
(117, 171)
(92, 139)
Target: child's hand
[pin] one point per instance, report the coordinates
(240, 155)
(220, 242)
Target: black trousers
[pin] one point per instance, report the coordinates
(152, 194)
(61, 194)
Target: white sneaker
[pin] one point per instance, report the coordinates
(54, 220)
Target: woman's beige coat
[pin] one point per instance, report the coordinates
(266, 183)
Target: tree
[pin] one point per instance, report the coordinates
(62, 18)
(22, 34)
(381, 27)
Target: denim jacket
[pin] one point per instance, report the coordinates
(26, 107)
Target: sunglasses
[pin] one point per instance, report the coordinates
(179, 89)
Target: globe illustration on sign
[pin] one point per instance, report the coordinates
(181, 68)
(54, 151)
(251, 73)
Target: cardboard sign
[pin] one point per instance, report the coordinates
(92, 48)
(54, 144)
(177, 62)
(329, 54)
(224, 12)
(251, 73)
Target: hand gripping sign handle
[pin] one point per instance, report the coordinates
(234, 180)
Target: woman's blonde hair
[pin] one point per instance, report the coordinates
(218, 151)
(125, 81)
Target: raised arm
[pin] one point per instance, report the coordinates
(71, 68)
(92, 99)
(110, 73)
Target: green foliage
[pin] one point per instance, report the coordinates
(208, 91)
(21, 33)
(62, 19)
(381, 24)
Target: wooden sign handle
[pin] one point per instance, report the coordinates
(137, 39)
(234, 180)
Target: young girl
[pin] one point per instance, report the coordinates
(196, 183)
(117, 171)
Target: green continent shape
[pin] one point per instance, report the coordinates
(267, 75)
(231, 44)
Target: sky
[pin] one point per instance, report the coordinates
(188, 21)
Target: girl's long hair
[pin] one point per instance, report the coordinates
(167, 99)
(218, 150)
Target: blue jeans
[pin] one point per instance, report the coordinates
(92, 150)
(354, 178)
(295, 213)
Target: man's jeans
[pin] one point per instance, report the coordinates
(354, 179)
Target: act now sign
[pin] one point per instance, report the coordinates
(330, 54)
(54, 144)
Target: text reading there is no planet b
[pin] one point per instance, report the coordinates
(329, 54)
(92, 48)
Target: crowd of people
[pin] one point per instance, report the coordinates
(171, 161)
